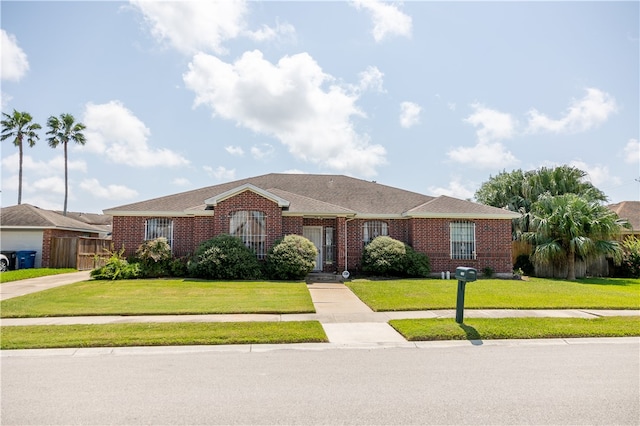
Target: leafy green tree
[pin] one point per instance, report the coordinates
(62, 130)
(518, 191)
(291, 258)
(19, 127)
(568, 226)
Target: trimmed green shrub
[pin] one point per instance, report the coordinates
(154, 257)
(630, 266)
(224, 258)
(384, 256)
(487, 272)
(116, 268)
(418, 264)
(291, 258)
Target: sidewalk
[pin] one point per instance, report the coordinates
(344, 317)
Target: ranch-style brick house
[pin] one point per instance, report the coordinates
(339, 214)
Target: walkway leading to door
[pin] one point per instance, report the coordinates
(346, 319)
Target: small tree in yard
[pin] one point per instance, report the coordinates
(568, 226)
(116, 268)
(291, 258)
(225, 258)
(155, 257)
(630, 266)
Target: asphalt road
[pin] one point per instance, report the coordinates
(595, 381)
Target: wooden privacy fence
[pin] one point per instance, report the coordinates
(82, 253)
(598, 267)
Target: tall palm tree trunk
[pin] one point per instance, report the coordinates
(66, 181)
(20, 174)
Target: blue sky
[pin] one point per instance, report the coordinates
(432, 97)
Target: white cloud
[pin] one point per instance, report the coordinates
(109, 192)
(193, 26)
(455, 189)
(49, 185)
(409, 114)
(263, 151)
(220, 173)
(55, 166)
(589, 112)
(235, 150)
(114, 131)
(484, 156)
(14, 61)
(598, 174)
(204, 26)
(293, 101)
(371, 78)
(267, 33)
(295, 172)
(388, 20)
(181, 182)
(632, 151)
(493, 125)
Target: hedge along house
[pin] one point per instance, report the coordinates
(339, 214)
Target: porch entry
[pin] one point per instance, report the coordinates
(314, 234)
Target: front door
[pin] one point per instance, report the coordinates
(314, 234)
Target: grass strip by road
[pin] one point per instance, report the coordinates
(535, 293)
(162, 297)
(23, 274)
(160, 334)
(516, 328)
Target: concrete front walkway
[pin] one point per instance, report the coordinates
(32, 285)
(344, 317)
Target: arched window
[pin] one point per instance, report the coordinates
(463, 240)
(159, 227)
(250, 227)
(372, 229)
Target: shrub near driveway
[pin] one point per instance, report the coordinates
(535, 293)
(162, 297)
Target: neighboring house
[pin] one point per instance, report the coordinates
(339, 214)
(26, 227)
(629, 210)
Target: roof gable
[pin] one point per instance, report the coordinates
(213, 201)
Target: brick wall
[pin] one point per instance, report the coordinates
(429, 236)
(493, 244)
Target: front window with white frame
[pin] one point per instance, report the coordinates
(159, 227)
(463, 240)
(251, 227)
(372, 229)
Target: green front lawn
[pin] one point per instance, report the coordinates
(160, 334)
(535, 293)
(23, 274)
(161, 297)
(516, 328)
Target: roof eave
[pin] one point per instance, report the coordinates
(461, 216)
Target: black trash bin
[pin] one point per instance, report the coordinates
(26, 259)
(11, 255)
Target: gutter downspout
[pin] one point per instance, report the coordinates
(346, 246)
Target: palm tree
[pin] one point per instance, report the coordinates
(62, 130)
(568, 226)
(19, 127)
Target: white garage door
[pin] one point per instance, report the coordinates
(23, 240)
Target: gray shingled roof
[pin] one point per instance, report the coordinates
(28, 216)
(311, 194)
(448, 206)
(629, 210)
